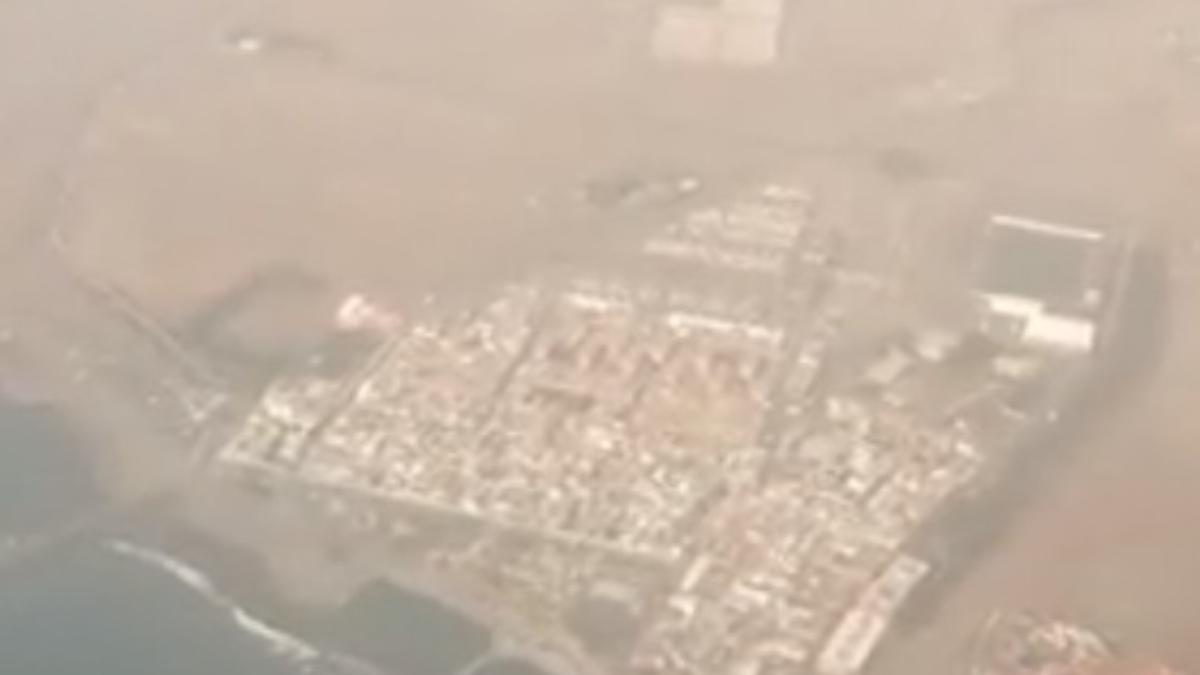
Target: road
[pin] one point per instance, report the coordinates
(58, 61)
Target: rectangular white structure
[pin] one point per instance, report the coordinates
(736, 33)
(686, 34)
(767, 9)
(1046, 228)
(1062, 333)
(861, 629)
(749, 41)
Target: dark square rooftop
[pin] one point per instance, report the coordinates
(1027, 259)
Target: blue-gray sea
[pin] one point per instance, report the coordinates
(106, 604)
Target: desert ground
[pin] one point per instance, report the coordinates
(399, 147)
(410, 147)
(1105, 541)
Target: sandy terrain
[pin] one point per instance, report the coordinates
(404, 146)
(58, 60)
(1108, 543)
(395, 146)
(380, 147)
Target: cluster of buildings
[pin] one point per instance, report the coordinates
(1016, 643)
(803, 562)
(737, 33)
(1046, 284)
(725, 416)
(602, 413)
(1026, 644)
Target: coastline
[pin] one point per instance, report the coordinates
(276, 561)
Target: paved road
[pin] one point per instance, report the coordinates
(59, 60)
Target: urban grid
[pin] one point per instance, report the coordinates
(737, 413)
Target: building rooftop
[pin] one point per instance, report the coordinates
(1026, 644)
(1133, 666)
(739, 33)
(686, 34)
(1038, 261)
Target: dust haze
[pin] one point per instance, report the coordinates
(659, 336)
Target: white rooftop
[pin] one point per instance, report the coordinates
(740, 33)
(771, 9)
(749, 41)
(1060, 332)
(686, 34)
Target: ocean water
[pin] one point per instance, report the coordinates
(93, 610)
(92, 606)
(105, 605)
(43, 478)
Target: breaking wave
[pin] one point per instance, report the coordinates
(278, 641)
(281, 642)
(189, 575)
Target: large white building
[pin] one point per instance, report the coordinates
(735, 33)
(1044, 283)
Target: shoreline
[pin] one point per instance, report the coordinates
(264, 553)
(110, 390)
